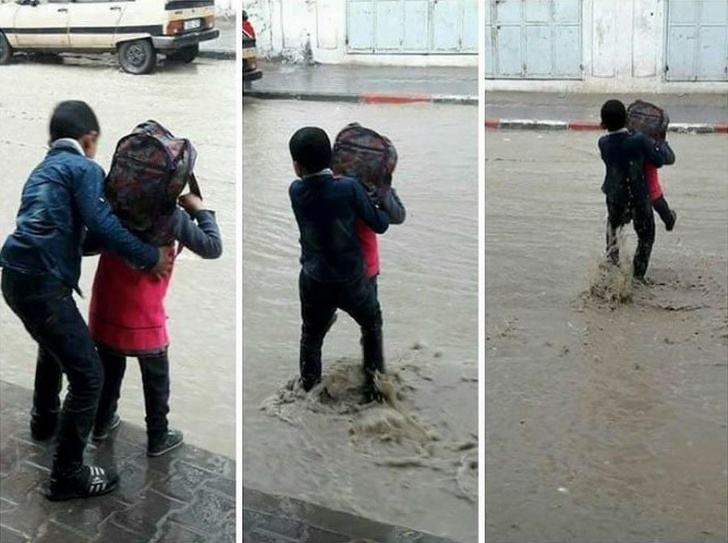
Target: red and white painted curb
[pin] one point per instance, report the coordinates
(531, 124)
(366, 98)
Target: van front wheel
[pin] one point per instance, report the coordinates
(186, 54)
(137, 57)
(6, 52)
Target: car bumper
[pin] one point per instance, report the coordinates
(166, 43)
(252, 75)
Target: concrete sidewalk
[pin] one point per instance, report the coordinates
(268, 519)
(699, 113)
(379, 84)
(186, 495)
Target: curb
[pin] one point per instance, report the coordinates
(368, 98)
(217, 54)
(532, 124)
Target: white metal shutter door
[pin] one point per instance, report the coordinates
(507, 38)
(697, 40)
(534, 39)
(360, 25)
(412, 26)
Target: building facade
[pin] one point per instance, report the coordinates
(607, 45)
(393, 32)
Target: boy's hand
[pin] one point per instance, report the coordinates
(164, 264)
(191, 203)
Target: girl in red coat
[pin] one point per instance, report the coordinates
(657, 198)
(127, 318)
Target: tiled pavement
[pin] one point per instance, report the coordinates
(184, 497)
(187, 496)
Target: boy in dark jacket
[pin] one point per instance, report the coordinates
(625, 187)
(41, 261)
(333, 273)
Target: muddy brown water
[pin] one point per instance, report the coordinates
(604, 421)
(198, 102)
(414, 462)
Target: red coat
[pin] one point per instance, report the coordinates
(653, 181)
(127, 313)
(369, 247)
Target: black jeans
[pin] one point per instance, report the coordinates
(663, 210)
(50, 316)
(319, 302)
(644, 226)
(155, 381)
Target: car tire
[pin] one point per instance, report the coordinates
(137, 57)
(185, 55)
(6, 52)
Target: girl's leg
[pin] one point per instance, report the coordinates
(155, 379)
(114, 366)
(667, 215)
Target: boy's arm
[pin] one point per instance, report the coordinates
(374, 218)
(659, 153)
(202, 238)
(391, 204)
(602, 144)
(96, 214)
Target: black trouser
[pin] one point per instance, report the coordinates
(155, 380)
(663, 210)
(319, 302)
(644, 226)
(50, 315)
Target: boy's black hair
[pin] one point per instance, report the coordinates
(614, 115)
(73, 119)
(311, 148)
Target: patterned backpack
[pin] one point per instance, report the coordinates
(363, 154)
(648, 119)
(149, 171)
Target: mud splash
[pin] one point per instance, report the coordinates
(340, 394)
(390, 434)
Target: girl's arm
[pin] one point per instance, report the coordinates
(202, 238)
(391, 204)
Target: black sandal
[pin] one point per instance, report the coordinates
(91, 481)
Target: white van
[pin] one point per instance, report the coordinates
(135, 29)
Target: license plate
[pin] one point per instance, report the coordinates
(193, 24)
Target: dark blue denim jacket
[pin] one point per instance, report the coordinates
(63, 197)
(326, 210)
(624, 155)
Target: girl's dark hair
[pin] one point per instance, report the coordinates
(311, 148)
(614, 115)
(73, 119)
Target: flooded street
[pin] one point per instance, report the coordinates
(604, 421)
(197, 102)
(413, 463)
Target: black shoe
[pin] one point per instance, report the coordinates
(43, 428)
(91, 481)
(371, 390)
(164, 443)
(102, 432)
(308, 382)
(669, 225)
